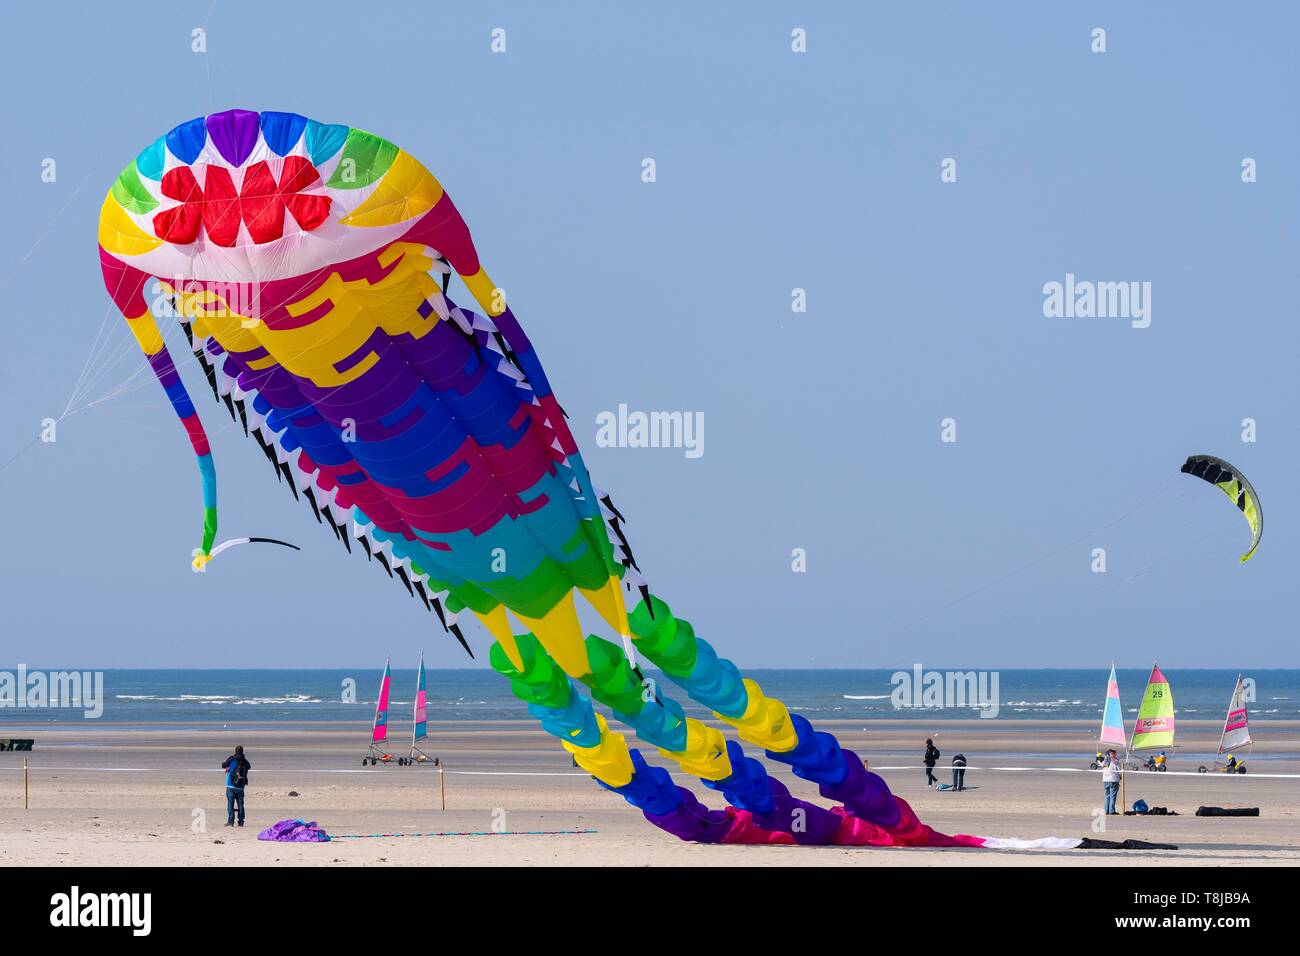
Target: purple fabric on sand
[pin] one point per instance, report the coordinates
(294, 831)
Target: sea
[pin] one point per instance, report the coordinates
(166, 698)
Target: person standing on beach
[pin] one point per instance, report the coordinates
(236, 767)
(932, 756)
(1110, 781)
(959, 772)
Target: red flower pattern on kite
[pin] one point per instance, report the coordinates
(259, 204)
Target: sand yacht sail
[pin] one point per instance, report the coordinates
(1154, 729)
(379, 729)
(1236, 732)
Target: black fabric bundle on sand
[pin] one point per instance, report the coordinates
(1091, 844)
(1227, 811)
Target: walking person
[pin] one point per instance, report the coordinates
(932, 756)
(959, 772)
(236, 767)
(1110, 781)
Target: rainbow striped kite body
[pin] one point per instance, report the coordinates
(302, 254)
(307, 265)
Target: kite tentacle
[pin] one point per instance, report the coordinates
(567, 715)
(551, 697)
(766, 804)
(746, 784)
(671, 644)
(126, 284)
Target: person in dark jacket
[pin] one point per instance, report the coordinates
(959, 772)
(932, 756)
(236, 767)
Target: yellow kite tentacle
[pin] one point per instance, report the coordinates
(766, 721)
(705, 754)
(561, 635)
(498, 624)
(607, 761)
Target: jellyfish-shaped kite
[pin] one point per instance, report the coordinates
(308, 265)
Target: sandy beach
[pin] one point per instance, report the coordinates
(118, 794)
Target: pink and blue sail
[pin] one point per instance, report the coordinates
(1112, 718)
(421, 709)
(380, 733)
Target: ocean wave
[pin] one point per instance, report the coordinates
(867, 696)
(1042, 703)
(288, 699)
(183, 698)
(221, 699)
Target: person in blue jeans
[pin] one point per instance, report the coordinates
(959, 772)
(1110, 781)
(236, 767)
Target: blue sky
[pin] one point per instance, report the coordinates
(775, 170)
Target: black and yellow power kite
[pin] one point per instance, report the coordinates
(1233, 484)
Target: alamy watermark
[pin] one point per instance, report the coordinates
(1084, 299)
(52, 690)
(636, 429)
(133, 911)
(191, 299)
(938, 690)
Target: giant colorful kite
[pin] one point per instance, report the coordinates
(308, 265)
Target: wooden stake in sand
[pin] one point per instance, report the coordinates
(442, 783)
(1123, 777)
(25, 790)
